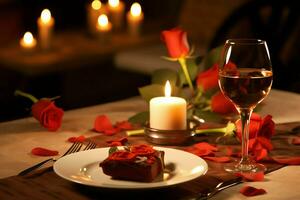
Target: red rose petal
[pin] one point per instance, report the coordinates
(258, 176)
(124, 125)
(111, 131)
(223, 159)
(205, 145)
(251, 191)
(296, 140)
(200, 152)
(80, 138)
(260, 154)
(102, 123)
(220, 104)
(117, 142)
(40, 151)
(287, 160)
(142, 149)
(208, 79)
(265, 142)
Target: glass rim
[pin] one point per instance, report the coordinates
(245, 41)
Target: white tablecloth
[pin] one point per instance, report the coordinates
(20, 136)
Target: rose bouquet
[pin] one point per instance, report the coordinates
(196, 80)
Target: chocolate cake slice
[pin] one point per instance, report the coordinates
(136, 163)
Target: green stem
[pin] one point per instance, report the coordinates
(29, 96)
(198, 96)
(186, 72)
(135, 132)
(212, 130)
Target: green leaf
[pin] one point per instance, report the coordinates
(150, 91)
(211, 58)
(160, 76)
(209, 116)
(112, 150)
(140, 118)
(192, 69)
(156, 90)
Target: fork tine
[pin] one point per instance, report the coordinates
(74, 148)
(90, 145)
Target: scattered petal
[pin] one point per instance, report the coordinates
(222, 159)
(117, 142)
(205, 145)
(287, 160)
(40, 151)
(102, 123)
(258, 176)
(200, 152)
(111, 131)
(251, 191)
(80, 138)
(296, 141)
(124, 125)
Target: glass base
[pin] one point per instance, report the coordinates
(244, 167)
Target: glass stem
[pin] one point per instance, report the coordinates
(245, 120)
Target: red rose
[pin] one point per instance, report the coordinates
(47, 114)
(267, 129)
(220, 104)
(209, 78)
(142, 150)
(176, 42)
(254, 127)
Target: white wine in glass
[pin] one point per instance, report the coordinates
(245, 78)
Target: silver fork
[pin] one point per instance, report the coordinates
(75, 147)
(90, 145)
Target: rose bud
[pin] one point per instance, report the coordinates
(46, 112)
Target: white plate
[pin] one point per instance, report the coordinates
(83, 167)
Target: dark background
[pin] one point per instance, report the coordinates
(208, 23)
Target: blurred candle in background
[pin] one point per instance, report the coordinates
(45, 29)
(103, 27)
(94, 10)
(28, 42)
(116, 13)
(134, 19)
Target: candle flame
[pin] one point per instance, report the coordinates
(103, 20)
(113, 3)
(168, 89)
(96, 4)
(135, 9)
(46, 15)
(28, 38)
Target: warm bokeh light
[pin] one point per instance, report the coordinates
(168, 89)
(103, 20)
(46, 16)
(113, 3)
(28, 38)
(96, 4)
(135, 9)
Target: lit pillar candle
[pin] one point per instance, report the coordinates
(116, 11)
(103, 27)
(168, 113)
(134, 19)
(28, 42)
(94, 10)
(45, 28)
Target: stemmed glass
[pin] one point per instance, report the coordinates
(245, 78)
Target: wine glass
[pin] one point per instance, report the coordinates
(245, 78)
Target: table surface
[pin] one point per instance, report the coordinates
(20, 136)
